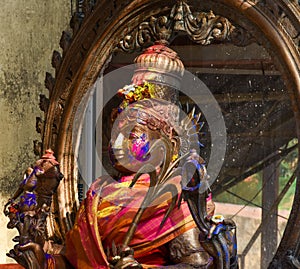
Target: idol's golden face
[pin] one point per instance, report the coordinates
(130, 148)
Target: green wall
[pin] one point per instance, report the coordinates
(29, 32)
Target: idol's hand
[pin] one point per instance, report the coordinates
(30, 255)
(125, 260)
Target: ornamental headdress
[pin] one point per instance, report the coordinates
(153, 94)
(152, 99)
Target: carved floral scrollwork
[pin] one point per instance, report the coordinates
(146, 33)
(49, 83)
(201, 27)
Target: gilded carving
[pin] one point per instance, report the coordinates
(56, 60)
(39, 125)
(37, 147)
(49, 82)
(44, 103)
(202, 27)
(65, 41)
(285, 15)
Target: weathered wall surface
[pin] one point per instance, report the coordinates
(29, 31)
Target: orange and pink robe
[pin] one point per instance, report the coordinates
(106, 214)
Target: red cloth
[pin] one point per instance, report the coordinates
(106, 214)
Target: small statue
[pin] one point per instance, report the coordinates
(22, 213)
(28, 214)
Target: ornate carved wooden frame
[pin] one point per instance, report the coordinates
(101, 27)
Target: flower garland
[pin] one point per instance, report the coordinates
(132, 93)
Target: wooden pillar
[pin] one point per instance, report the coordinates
(269, 230)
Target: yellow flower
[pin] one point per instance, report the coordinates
(174, 157)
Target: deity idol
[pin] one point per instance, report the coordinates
(158, 213)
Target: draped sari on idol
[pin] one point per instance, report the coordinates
(105, 215)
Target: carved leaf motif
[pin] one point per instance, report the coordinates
(76, 21)
(162, 28)
(271, 6)
(39, 125)
(44, 103)
(146, 33)
(65, 41)
(202, 27)
(49, 82)
(37, 147)
(207, 27)
(56, 60)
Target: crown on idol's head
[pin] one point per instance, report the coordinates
(150, 105)
(160, 65)
(155, 82)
